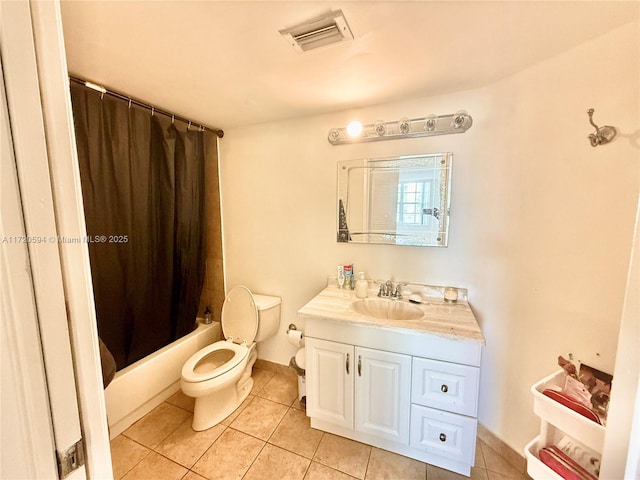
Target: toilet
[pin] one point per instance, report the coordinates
(219, 375)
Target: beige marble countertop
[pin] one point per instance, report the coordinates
(452, 320)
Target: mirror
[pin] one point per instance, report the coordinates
(395, 201)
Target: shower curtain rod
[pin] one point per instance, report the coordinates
(126, 98)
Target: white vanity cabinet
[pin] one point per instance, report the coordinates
(407, 387)
(359, 388)
(374, 385)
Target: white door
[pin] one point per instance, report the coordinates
(383, 393)
(40, 413)
(34, 293)
(26, 431)
(330, 381)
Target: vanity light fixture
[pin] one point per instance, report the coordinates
(458, 122)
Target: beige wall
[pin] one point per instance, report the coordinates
(541, 222)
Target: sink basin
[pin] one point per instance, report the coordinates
(387, 309)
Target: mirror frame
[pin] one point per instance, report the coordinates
(437, 236)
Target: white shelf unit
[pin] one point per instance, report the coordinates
(556, 420)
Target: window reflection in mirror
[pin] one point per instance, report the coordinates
(396, 201)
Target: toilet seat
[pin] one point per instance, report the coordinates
(213, 361)
(239, 326)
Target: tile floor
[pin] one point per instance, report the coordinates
(268, 438)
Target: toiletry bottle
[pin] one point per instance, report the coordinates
(348, 277)
(362, 286)
(207, 315)
(340, 276)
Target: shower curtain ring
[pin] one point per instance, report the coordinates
(173, 119)
(189, 126)
(152, 111)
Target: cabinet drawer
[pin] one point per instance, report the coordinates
(447, 386)
(445, 434)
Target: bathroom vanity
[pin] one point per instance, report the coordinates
(396, 375)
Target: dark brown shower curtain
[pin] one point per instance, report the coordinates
(144, 202)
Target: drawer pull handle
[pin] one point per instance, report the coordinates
(443, 437)
(359, 365)
(444, 389)
(347, 364)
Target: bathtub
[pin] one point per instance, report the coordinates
(142, 386)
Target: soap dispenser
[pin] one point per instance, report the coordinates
(362, 286)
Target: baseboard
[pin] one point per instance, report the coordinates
(274, 367)
(515, 459)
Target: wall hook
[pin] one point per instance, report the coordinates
(602, 135)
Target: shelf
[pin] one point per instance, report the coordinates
(535, 468)
(572, 423)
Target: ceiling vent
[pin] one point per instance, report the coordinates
(329, 29)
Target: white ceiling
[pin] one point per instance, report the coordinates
(224, 64)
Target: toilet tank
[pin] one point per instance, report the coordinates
(268, 316)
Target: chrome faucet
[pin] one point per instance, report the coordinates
(389, 290)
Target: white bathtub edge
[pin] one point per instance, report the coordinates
(139, 388)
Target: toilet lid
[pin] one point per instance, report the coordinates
(240, 315)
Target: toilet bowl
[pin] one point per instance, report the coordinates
(219, 375)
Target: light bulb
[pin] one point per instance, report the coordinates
(404, 125)
(354, 129)
(431, 123)
(459, 119)
(334, 134)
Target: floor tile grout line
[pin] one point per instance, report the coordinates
(499, 454)
(306, 470)
(508, 475)
(136, 464)
(198, 459)
(170, 459)
(145, 416)
(479, 447)
(318, 445)
(266, 442)
(366, 470)
(254, 460)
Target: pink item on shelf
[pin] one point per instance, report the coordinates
(573, 404)
(563, 465)
(577, 390)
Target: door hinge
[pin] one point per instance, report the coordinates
(71, 459)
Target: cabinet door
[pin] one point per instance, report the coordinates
(329, 381)
(383, 393)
